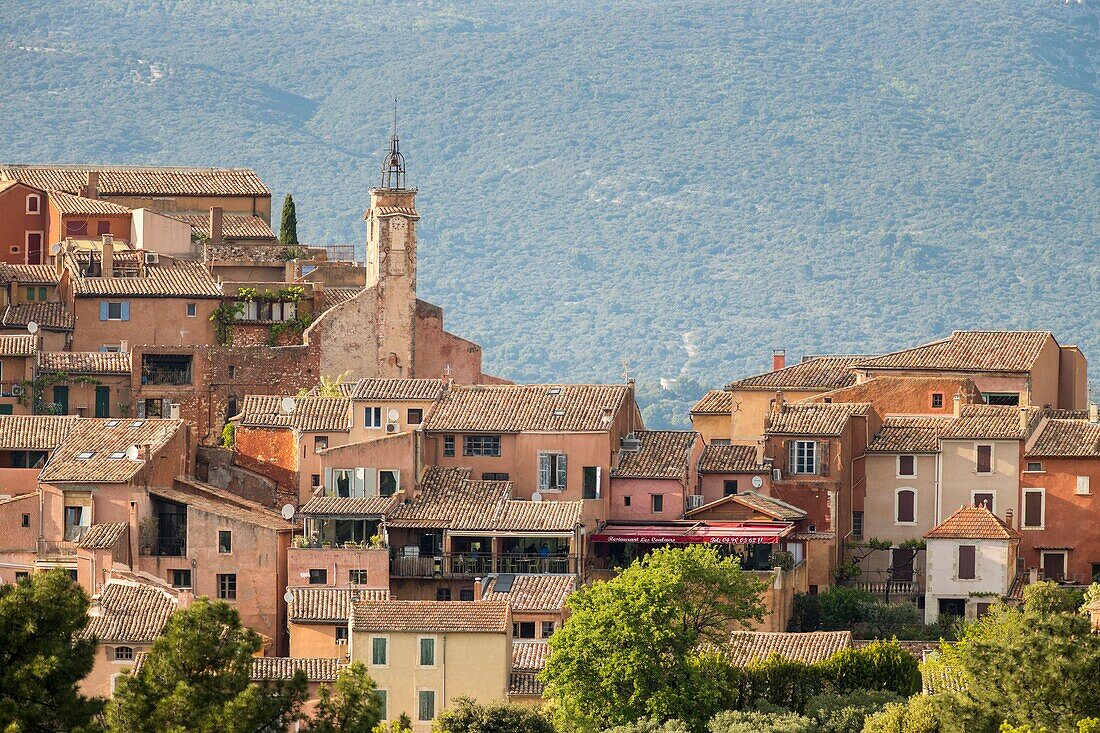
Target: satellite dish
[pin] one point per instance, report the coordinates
(133, 452)
(55, 248)
(288, 512)
(536, 496)
(288, 597)
(393, 416)
(32, 327)
(757, 482)
(287, 405)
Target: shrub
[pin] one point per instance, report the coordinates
(843, 608)
(650, 726)
(846, 713)
(919, 714)
(781, 682)
(735, 721)
(880, 665)
(467, 716)
(806, 615)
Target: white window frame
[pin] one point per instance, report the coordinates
(1042, 509)
(992, 460)
(220, 530)
(897, 466)
(897, 505)
(372, 418)
(958, 562)
(1027, 468)
(385, 638)
(37, 203)
(554, 458)
(435, 652)
(192, 310)
(1082, 486)
(111, 303)
(397, 477)
(798, 462)
(1065, 560)
(435, 704)
(974, 496)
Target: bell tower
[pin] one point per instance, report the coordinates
(391, 263)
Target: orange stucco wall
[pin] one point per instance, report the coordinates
(15, 222)
(338, 561)
(906, 395)
(1070, 519)
(153, 322)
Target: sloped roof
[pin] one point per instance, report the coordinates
(130, 612)
(812, 373)
(529, 655)
(746, 647)
(969, 351)
(34, 432)
(909, 435)
(342, 505)
(514, 408)
(234, 226)
(179, 280)
(84, 362)
(972, 523)
(757, 502)
(665, 454)
(431, 616)
(102, 536)
(47, 314)
(1068, 439)
(815, 418)
(714, 402)
(221, 503)
(333, 297)
(310, 415)
(533, 593)
(107, 441)
(449, 499)
(310, 604)
(67, 203)
(985, 421)
(398, 389)
(18, 345)
(140, 180)
(30, 274)
(730, 459)
(317, 669)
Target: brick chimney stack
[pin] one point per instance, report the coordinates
(958, 405)
(779, 359)
(1008, 518)
(91, 188)
(217, 221)
(1094, 413)
(108, 256)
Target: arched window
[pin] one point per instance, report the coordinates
(124, 653)
(905, 507)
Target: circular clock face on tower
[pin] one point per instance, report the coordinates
(397, 223)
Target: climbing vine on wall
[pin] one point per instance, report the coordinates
(33, 389)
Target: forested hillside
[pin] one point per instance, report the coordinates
(683, 185)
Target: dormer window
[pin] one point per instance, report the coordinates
(34, 204)
(553, 391)
(85, 456)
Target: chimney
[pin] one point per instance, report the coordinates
(108, 256)
(779, 359)
(1023, 421)
(1008, 518)
(777, 403)
(1094, 413)
(91, 190)
(958, 405)
(760, 453)
(217, 217)
(478, 588)
(1032, 575)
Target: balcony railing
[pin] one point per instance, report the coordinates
(170, 547)
(457, 565)
(887, 587)
(56, 548)
(165, 376)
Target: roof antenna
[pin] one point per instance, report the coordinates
(393, 168)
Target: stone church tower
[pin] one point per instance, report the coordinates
(391, 265)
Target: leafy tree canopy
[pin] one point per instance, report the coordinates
(352, 706)
(467, 716)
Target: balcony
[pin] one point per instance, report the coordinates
(888, 588)
(453, 565)
(56, 549)
(165, 370)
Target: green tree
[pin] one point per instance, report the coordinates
(919, 714)
(650, 726)
(354, 706)
(880, 665)
(403, 724)
(467, 716)
(288, 229)
(196, 678)
(1047, 597)
(44, 654)
(735, 721)
(847, 713)
(631, 647)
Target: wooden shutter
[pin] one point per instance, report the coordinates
(985, 458)
(790, 455)
(544, 471)
(1033, 509)
(823, 458)
(966, 562)
(905, 506)
(563, 474)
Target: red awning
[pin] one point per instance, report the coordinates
(726, 533)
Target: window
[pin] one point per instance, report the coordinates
(590, 476)
(901, 564)
(553, 471)
(981, 608)
(320, 442)
(25, 521)
(192, 310)
(937, 400)
(389, 479)
(341, 634)
(427, 651)
(1082, 488)
(547, 629)
(494, 477)
(232, 371)
(425, 700)
(803, 456)
(379, 646)
(225, 541)
(626, 501)
(967, 561)
(905, 507)
(315, 480)
(180, 578)
(113, 311)
(857, 524)
(1034, 466)
(1002, 398)
(37, 294)
(729, 487)
(907, 465)
(443, 594)
(85, 455)
(721, 441)
(481, 445)
(1034, 509)
(448, 445)
(372, 417)
(1054, 565)
(465, 594)
(984, 459)
(383, 704)
(227, 586)
(416, 416)
(124, 653)
(34, 204)
(523, 629)
(657, 503)
(20, 575)
(357, 577)
(102, 227)
(76, 228)
(318, 576)
(982, 498)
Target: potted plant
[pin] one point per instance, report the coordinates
(148, 532)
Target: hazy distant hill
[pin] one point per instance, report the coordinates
(682, 184)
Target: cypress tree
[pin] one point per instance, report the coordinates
(288, 231)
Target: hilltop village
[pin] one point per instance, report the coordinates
(190, 408)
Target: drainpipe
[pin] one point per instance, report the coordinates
(444, 691)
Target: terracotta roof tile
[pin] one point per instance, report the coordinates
(812, 373)
(141, 180)
(234, 226)
(985, 421)
(730, 459)
(714, 402)
(398, 389)
(221, 503)
(66, 203)
(909, 435)
(757, 502)
(529, 656)
(489, 617)
(972, 523)
(328, 605)
(333, 297)
(517, 408)
(396, 211)
(103, 536)
(179, 280)
(341, 505)
(665, 454)
(1068, 438)
(31, 274)
(106, 441)
(317, 669)
(34, 432)
(48, 315)
(525, 684)
(815, 418)
(969, 351)
(746, 647)
(533, 593)
(310, 415)
(84, 362)
(18, 345)
(130, 612)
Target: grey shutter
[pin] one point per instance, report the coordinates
(790, 455)
(359, 482)
(563, 474)
(544, 471)
(823, 458)
(330, 490)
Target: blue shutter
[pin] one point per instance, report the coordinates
(125, 310)
(103, 310)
